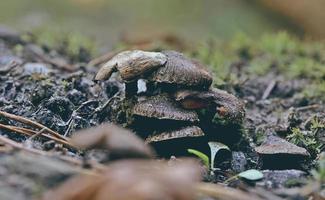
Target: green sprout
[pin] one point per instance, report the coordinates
(202, 156)
(251, 175)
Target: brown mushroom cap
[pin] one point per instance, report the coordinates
(177, 141)
(163, 107)
(190, 131)
(118, 141)
(131, 64)
(275, 145)
(182, 71)
(227, 104)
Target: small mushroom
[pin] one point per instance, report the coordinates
(182, 71)
(176, 142)
(118, 141)
(131, 64)
(163, 107)
(227, 105)
(278, 153)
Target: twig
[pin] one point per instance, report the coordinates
(70, 122)
(101, 108)
(37, 134)
(269, 89)
(31, 123)
(303, 108)
(32, 133)
(74, 161)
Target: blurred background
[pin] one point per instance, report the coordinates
(108, 21)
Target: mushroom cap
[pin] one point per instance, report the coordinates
(228, 105)
(163, 107)
(182, 71)
(132, 64)
(118, 141)
(187, 132)
(275, 145)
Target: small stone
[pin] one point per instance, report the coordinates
(274, 179)
(36, 68)
(238, 161)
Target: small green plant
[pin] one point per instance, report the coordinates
(305, 139)
(202, 156)
(251, 175)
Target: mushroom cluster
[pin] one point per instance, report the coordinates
(177, 91)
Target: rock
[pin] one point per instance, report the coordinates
(36, 68)
(274, 179)
(238, 161)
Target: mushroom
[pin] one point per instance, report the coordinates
(227, 105)
(176, 142)
(131, 64)
(163, 107)
(118, 141)
(182, 71)
(278, 153)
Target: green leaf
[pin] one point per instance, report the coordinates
(201, 155)
(215, 147)
(251, 174)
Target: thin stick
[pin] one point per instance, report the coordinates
(32, 133)
(269, 89)
(16, 145)
(303, 108)
(31, 123)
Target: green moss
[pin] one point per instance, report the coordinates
(315, 90)
(72, 44)
(279, 53)
(306, 139)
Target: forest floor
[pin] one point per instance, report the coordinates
(281, 80)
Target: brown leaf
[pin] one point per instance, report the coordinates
(133, 179)
(120, 142)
